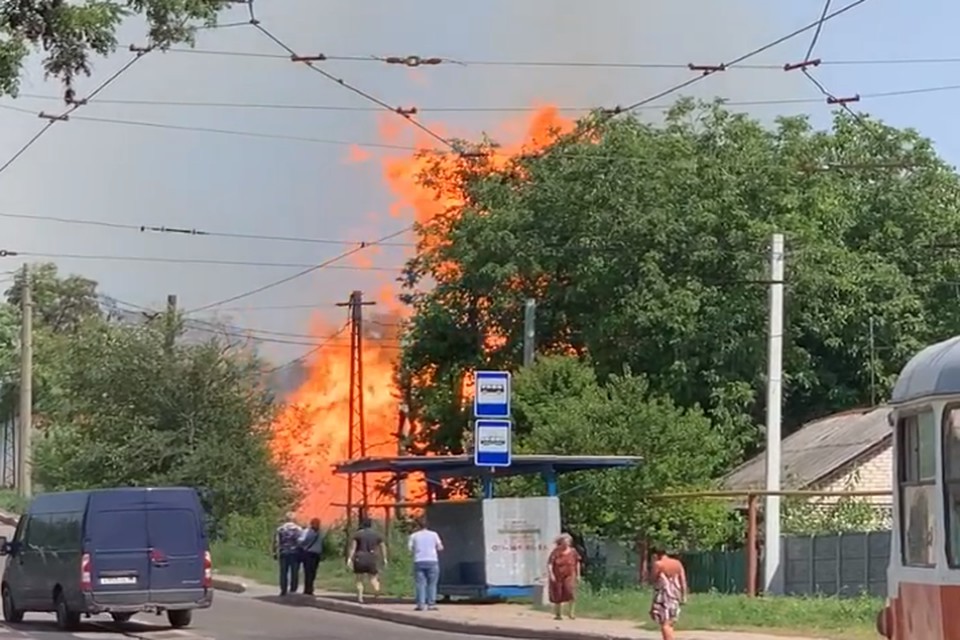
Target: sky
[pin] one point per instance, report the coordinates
(302, 183)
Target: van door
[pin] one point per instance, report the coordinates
(177, 550)
(119, 552)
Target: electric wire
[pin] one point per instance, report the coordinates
(73, 106)
(7, 253)
(300, 274)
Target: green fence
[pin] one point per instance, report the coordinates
(722, 571)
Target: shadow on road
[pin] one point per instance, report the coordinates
(300, 600)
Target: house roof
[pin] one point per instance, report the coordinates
(818, 449)
(935, 371)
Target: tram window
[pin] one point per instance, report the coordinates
(917, 474)
(951, 482)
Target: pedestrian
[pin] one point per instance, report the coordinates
(563, 568)
(363, 559)
(311, 550)
(669, 592)
(286, 550)
(425, 545)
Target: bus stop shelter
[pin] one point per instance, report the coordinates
(493, 547)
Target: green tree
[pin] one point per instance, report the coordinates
(561, 408)
(69, 34)
(60, 304)
(128, 410)
(646, 246)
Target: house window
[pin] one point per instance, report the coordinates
(917, 475)
(951, 482)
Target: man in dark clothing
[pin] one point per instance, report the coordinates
(365, 546)
(311, 545)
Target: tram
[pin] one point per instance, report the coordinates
(923, 577)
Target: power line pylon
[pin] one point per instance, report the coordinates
(357, 438)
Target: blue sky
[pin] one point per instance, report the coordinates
(132, 174)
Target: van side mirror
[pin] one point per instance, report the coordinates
(4, 546)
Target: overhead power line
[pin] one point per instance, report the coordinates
(311, 60)
(73, 105)
(910, 91)
(323, 265)
(601, 64)
(163, 229)
(6, 253)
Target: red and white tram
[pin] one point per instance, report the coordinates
(923, 577)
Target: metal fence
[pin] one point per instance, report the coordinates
(846, 564)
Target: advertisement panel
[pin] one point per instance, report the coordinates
(518, 535)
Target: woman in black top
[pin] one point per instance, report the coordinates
(364, 548)
(311, 548)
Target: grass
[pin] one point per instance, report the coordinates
(840, 618)
(11, 501)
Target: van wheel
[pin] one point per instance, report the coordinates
(121, 617)
(10, 612)
(66, 620)
(180, 618)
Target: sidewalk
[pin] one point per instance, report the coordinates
(500, 620)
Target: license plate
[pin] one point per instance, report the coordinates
(120, 580)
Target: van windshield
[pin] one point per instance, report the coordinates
(174, 531)
(118, 530)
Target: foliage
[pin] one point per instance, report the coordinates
(847, 514)
(646, 246)
(70, 33)
(127, 409)
(561, 408)
(60, 304)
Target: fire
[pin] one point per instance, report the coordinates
(312, 431)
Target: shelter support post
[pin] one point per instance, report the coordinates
(752, 545)
(550, 477)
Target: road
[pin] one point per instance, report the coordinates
(233, 617)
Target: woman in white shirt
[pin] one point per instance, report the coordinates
(425, 545)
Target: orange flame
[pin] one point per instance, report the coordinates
(312, 431)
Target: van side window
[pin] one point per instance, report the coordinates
(916, 471)
(20, 531)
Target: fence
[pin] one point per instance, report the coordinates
(846, 564)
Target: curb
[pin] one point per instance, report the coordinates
(233, 586)
(425, 621)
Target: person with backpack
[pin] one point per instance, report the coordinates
(311, 551)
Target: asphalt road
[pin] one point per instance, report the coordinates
(232, 617)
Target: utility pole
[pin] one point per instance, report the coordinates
(873, 363)
(772, 575)
(170, 328)
(529, 331)
(25, 423)
(357, 439)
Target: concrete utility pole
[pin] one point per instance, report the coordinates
(772, 574)
(529, 331)
(170, 336)
(25, 422)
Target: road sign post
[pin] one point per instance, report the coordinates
(491, 398)
(492, 442)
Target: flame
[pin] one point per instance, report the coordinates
(312, 431)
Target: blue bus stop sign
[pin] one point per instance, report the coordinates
(491, 398)
(492, 442)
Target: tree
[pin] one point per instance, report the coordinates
(70, 33)
(60, 304)
(128, 410)
(561, 408)
(646, 246)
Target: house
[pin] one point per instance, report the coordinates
(847, 451)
